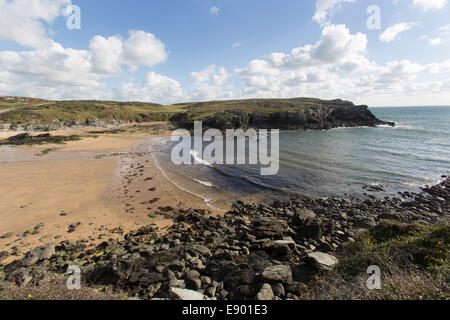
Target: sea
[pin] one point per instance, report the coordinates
(342, 162)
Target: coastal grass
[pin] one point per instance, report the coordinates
(43, 112)
(83, 111)
(54, 288)
(413, 258)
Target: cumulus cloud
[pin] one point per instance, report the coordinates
(141, 49)
(24, 21)
(52, 71)
(325, 8)
(392, 33)
(209, 84)
(337, 47)
(211, 74)
(337, 67)
(426, 5)
(155, 88)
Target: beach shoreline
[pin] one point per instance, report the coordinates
(101, 186)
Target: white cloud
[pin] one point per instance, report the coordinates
(337, 67)
(24, 21)
(325, 8)
(51, 71)
(141, 49)
(209, 84)
(440, 36)
(426, 5)
(107, 54)
(214, 11)
(54, 72)
(236, 44)
(435, 41)
(391, 33)
(212, 74)
(155, 88)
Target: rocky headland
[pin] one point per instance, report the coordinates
(324, 115)
(285, 114)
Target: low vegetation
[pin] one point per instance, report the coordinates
(82, 111)
(27, 139)
(414, 262)
(28, 111)
(54, 288)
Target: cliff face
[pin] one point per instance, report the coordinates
(315, 118)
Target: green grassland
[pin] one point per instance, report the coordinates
(413, 258)
(29, 111)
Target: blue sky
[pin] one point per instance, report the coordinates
(170, 51)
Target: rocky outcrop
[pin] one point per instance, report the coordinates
(254, 252)
(27, 139)
(326, 116)
(58, 125)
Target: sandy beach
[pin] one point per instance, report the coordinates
(96, 185)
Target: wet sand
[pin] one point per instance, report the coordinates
(96, 184)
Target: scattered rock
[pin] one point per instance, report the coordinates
(38, 254)
(185, 294)
(6, 236)
(281, 273)
(265, 293)
(322, 261)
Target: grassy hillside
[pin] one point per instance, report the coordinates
(203, 110)
(28, 111)
(7, 103)
(46, 113)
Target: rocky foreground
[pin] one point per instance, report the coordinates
(253, 252)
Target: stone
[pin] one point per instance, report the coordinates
(6, 235)
(186, 295)
(38, 254)
(280, 273)
(177, 284)
(3, 255)
(206, 280)
(211, 291)
(279, 248)
(296, 288)
(269, 228)
(278, 289)
(153, 290)
(363, 222)
(322, 261)
(265, 293)
(303, 216)
(307, 224)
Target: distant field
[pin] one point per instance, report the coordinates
(29, 111)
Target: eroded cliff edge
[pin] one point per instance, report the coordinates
(323, 115)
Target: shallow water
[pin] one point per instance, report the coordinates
(337, 162)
